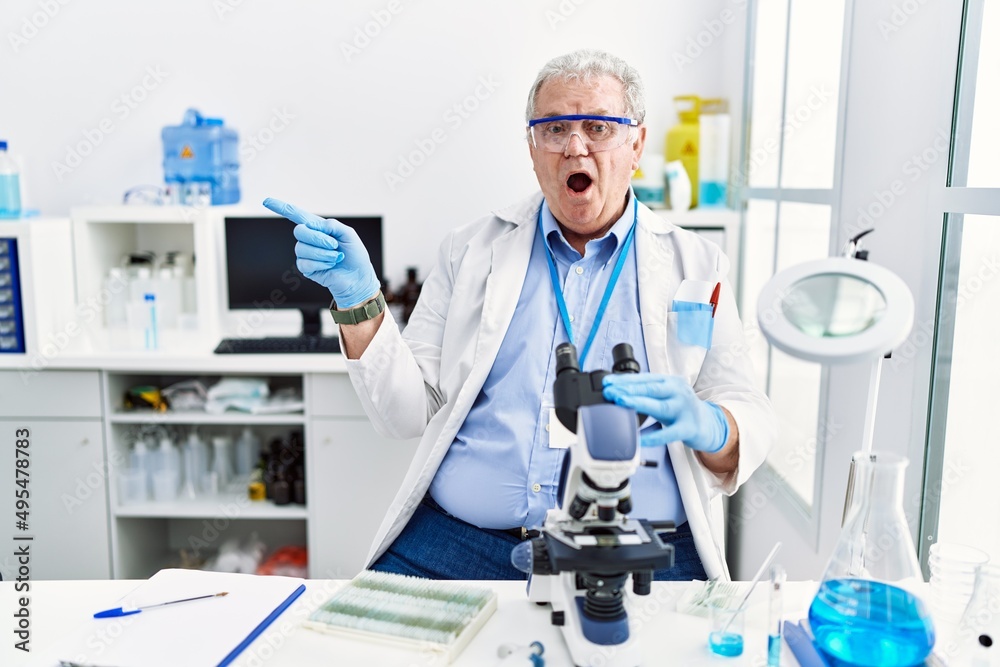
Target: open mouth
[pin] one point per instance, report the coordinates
(579, 182)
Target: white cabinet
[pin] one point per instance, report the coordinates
(103, 236)
(354, 474)
(150, 535)
(56, 416)
(80, 436)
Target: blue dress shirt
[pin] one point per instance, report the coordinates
(500, 471)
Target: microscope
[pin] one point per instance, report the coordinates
(588, 546)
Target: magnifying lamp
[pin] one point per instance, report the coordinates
(838, 310)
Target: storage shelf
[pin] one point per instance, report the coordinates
(225, 419)
(230, 506)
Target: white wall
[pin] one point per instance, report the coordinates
(351, 117)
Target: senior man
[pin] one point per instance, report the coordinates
(472, 373)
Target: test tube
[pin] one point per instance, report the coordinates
(777, 583)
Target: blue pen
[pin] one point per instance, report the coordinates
(128, 611)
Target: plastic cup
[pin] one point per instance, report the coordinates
(953, 578)
(132, 486)
(726, 637)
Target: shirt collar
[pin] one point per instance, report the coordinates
(606, 245)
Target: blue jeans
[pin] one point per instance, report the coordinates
(436, 545)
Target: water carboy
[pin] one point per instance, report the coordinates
(868, 610)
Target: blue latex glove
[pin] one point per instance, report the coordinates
(331, 254)
(670, 400)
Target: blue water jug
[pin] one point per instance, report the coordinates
(203, 150)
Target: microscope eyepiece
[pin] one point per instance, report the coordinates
(566, 359)
(624, 359)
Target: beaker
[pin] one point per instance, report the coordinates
(866, 611)
(979, 630)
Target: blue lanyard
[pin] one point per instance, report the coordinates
(561, 301)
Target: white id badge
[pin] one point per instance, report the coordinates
(560, 437)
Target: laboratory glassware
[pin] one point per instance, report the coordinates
(979, 630)
(867, 611)
(10, 185)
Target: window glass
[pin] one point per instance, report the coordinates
(765, 110)
(810, 127)
(758, 267)
(968, 513)
(984, 167)
(795, 385)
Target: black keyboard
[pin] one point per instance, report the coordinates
(296, 345)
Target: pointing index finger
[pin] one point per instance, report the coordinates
(294, 213)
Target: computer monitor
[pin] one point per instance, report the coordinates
(260, 265)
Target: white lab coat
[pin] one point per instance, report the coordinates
(423, 383)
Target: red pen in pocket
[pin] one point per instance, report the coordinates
(715, 298)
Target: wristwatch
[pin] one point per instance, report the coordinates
(366, 311)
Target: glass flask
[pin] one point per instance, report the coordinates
(866, 611)
(978, 636)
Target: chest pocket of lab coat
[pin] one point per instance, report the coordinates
(685, 359)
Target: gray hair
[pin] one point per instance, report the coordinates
(586, 64)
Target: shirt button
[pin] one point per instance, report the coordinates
(536, 487)
(579, 270)
(548, 427)
(572, 319)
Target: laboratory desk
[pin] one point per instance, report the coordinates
(667, 637)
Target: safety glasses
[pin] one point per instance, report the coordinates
(598, 133)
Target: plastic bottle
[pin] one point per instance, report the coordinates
(166, 479)
(116, 289)
(714, 147)
(648, 180)
(247, 451)
(202, 154)
(151, 333)
(683, 140)
(678, 186)
(222, 464)
(195, 464)
(140, 460)
(168, 297)
(10, 185)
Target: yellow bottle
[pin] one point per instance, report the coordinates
(683, 140)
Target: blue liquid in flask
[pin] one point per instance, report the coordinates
(871, 624)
